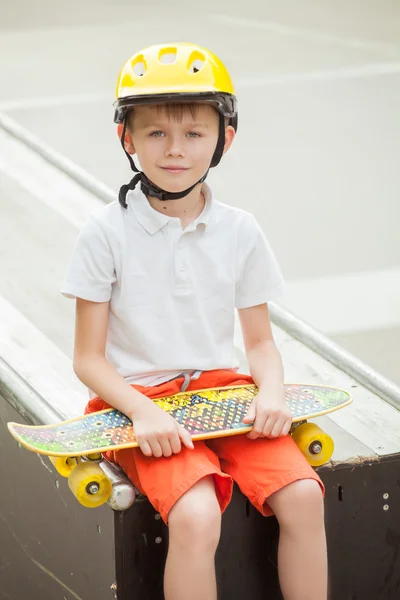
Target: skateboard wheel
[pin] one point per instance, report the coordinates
(316, 445)
(64, 464)
(90, 485)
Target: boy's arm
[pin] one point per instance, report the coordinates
(90, 363)
(269, 410)
(157, 433)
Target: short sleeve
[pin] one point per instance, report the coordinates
(260, 279)
(91, 272)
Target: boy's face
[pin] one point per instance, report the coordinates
(174, 147)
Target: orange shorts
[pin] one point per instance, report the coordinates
(260, 467)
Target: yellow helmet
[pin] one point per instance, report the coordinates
(175, 73)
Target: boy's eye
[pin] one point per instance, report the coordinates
(190, 134)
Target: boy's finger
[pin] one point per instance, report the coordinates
(175, 443)
(269, 424)
(165, 447)
(156, 448)
(185, 437)
(251, 414)
(257, 428)
(145, 448)
(275, 429)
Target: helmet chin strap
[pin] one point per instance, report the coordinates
(150, 189)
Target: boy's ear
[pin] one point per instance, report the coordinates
(128, 141)
(229, 137)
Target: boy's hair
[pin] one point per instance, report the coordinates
(175, 111)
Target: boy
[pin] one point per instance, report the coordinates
(156, 277)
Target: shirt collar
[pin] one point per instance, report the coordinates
(152, 220)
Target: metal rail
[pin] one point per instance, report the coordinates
(335, 354)
(24, 399)
(67, 166)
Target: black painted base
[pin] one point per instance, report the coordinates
(363, 530)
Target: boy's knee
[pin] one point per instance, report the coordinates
(195, 520)
(299, 502)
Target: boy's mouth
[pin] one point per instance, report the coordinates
(174, 169)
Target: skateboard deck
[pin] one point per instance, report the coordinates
(206, 414)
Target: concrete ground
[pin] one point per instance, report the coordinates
(316, 157)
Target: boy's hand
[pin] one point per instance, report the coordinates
(157, 433)
(270, 414)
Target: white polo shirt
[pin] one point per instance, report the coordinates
(172, 292)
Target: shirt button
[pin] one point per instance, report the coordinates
(182, 269)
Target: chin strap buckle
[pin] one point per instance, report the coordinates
(151, 190)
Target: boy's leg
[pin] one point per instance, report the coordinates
(194, 532)
(302, 555)
(277, 478)
(189, 491)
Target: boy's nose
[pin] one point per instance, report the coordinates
(174, 148)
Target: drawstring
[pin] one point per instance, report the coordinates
(188, 378)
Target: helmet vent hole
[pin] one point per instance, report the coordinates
(168, 57)
(196, 65)
(139, 68)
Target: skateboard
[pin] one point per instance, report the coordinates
(75, 446)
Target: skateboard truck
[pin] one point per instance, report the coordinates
(94, 481)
